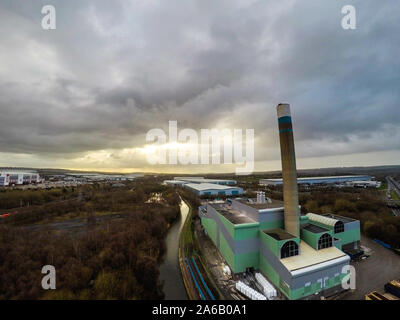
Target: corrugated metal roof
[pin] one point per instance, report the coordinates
(209, 186)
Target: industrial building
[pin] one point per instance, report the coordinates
(105, 177)
(206, 187)
(210, 189)
(364, 184)
(249, 234)
(175, 183)
(204, 180)
(18, 177)
(319, 180)
(300, 255)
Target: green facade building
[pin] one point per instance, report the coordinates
(251, 235)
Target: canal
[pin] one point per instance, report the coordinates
(170, 272)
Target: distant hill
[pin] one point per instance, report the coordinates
(378, 171)
(47, 171)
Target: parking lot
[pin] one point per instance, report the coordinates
(382, 266)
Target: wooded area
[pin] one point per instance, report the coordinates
(116, 259)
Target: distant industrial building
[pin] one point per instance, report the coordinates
(318, 180)
(211, 189)
(105, 177)
(18, 177)
(175, 183)
(364, 184)
(204, 180)
(206, 187)
(301, 255)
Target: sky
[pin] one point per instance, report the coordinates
(84, 96)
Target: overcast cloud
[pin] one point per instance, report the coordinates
(85, 95)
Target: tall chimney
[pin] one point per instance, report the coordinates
(289, 172)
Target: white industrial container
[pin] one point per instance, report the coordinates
(249, 292)
(268, 289)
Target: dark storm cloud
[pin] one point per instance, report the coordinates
(113, 70)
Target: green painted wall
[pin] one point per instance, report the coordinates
(348, 236)
(271, 225)
(246, 231)
(275, 245)
(246, 260)
(268, 271)
(271, 243)
(226, 252)
(211, 226)
(310, 238)
(228, 225)
(338, 244)
(237, 262)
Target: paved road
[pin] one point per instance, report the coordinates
(371, 274)
(393, 204)
(393, 184)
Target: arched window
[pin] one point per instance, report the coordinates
(325, 241)
(289, 249)
(339, 227)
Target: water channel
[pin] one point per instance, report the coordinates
(170, 273)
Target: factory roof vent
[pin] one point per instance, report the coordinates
(261, 197)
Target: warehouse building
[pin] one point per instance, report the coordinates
(318, 180)
(18, 177)
(204, 180)
(364, 184)
(210, 189)
(104, 177)
(175, 183)
(302, 256)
